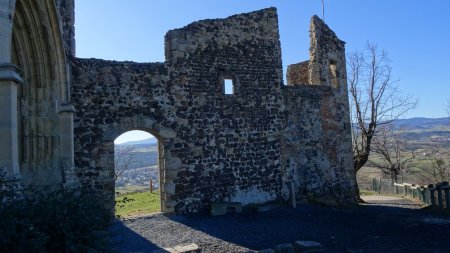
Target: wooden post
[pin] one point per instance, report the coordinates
(447, 197)
(151, 185)
(440, 188)
(426, 195)
(439, 195)
(432, 190)
(379, 186)
(293, 198)
(423, 198)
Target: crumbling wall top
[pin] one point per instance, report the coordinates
(254, 27)
(327, 56)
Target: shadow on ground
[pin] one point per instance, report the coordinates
(126, 240)
(366, 228)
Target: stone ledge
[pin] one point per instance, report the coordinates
(10, 72)
(66, 108)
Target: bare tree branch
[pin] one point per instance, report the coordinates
(394, 157)
(436, 169)
(124, 159)
(375, 99)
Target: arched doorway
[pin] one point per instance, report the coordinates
(137, 173)
(44, 115)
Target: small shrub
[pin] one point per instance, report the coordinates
(44, 220)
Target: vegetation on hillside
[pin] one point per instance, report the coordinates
(429, 141)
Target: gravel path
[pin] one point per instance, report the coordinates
(382, 225)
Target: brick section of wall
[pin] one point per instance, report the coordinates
(298, 73)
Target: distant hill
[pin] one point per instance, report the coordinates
(149, 141)
(425, 133)
(421, 123)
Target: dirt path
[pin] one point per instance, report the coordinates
(382, 200)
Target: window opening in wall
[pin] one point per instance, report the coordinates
(228, 86)
(334, 74)
(136, 174)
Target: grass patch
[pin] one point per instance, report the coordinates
(137, 203)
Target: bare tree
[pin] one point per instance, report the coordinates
(394, 154)
(124, 159)
(436, 169)
(375, 99)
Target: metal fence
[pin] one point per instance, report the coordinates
(434, 195)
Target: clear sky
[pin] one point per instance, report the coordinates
(416, 34)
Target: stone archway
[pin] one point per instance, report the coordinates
(102, 157)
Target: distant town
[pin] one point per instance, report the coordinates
(142, 165)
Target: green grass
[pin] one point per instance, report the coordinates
(137, 203)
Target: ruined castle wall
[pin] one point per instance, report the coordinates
(216, 147)
(239, 151)
(111, 98)
(66, 11)
(317, 145)
(327, 56)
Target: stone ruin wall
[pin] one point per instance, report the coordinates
(317, 144)
(246, 147)
(215, 147)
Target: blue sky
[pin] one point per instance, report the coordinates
(416, 34)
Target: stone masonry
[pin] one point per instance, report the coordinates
(248, 147)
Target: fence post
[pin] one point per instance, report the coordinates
(439, 196)
(379, 186)
(447, 197)
(424, 194)
(151, 185)
(432, 199)
(440, 187)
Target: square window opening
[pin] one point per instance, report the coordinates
(229, 86)
(334, 74)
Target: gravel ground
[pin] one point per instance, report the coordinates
(382, 225)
